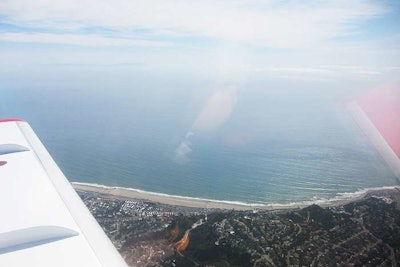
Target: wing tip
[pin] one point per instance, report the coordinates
(12, 120)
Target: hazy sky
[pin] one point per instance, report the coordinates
(305, 40)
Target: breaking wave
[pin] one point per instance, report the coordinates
(340, 198)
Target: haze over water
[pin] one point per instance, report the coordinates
(274, 147)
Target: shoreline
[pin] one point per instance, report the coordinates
(192, 202)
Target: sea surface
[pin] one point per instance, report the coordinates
(273, 146)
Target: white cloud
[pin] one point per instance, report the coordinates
(217, 109)
(301, 70)
(182, 152)
(292, 24)
(320, 72)
(393, 68)
(75, 39)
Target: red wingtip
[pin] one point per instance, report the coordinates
(382, 106)
(11, 119)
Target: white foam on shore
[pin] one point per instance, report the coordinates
(205, 200)
(338, 199)
(344, 197)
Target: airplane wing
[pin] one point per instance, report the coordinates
(43, 221)
(378, 115)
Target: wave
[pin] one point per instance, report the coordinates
(340, 198)
(344, 197)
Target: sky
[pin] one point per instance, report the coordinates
(297, 40)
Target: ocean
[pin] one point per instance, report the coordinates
(264, 145)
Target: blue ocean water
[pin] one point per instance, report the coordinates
(275, 146)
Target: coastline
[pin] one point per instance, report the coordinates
(131, 193)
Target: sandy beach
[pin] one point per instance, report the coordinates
(163, 198)
(130, 193)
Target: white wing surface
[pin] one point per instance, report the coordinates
(43, 221)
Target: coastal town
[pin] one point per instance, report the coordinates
(361, 233)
